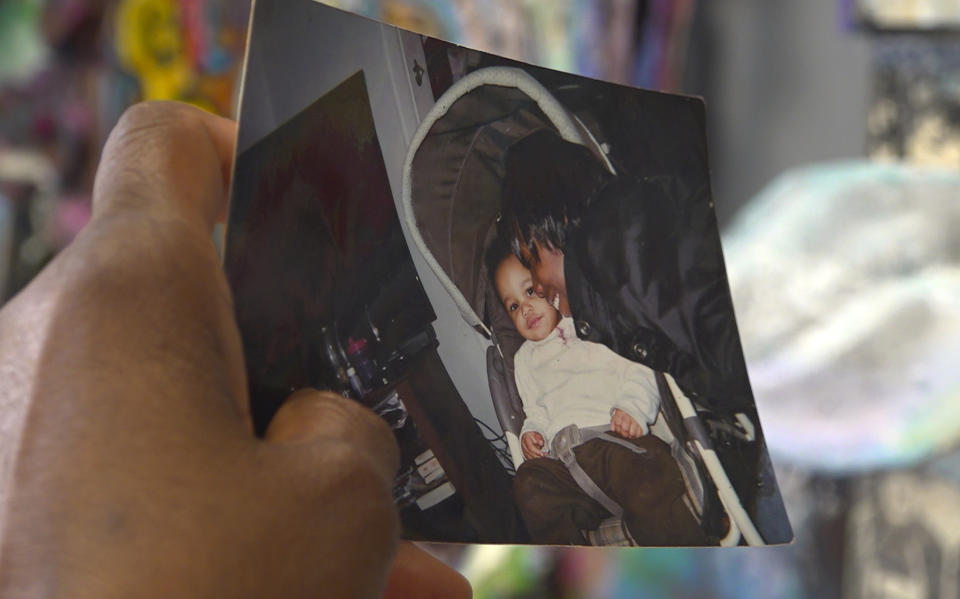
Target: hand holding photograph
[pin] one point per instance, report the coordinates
(519, 269)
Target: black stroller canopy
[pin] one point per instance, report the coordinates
(454, 170)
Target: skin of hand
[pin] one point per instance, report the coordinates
(625, 424)
(128, 466)
(531, 442)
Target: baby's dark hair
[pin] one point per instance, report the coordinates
(548, 185)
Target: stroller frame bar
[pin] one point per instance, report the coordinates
(739, 518)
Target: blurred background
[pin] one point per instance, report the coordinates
(834, 131)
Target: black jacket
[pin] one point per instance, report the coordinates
(645, 276)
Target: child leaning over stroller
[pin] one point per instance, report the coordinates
(563, 381)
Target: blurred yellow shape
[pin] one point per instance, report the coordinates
(149, 42)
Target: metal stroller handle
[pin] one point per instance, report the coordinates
(727, 494)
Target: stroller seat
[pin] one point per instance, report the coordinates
(509, 410)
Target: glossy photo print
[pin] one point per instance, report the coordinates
(518, 269)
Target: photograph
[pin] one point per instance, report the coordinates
(518, 269)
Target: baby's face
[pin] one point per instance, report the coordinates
(531, 314)
(548, 276)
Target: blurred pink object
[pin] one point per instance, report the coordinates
(72, 214)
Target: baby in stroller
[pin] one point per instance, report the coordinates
(588, 454)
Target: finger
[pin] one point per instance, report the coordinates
(416, 574)
(310, 416)
(146, 291)
(169, 159)
(634, 430)
(337, 461)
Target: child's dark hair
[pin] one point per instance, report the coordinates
(547, 186)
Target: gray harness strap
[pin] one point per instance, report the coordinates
(562, 448)
(606, 436)
(586, 483)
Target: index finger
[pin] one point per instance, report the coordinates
(169, 159)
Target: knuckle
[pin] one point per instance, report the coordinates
(145, 125)
(156, 111)
(147, 115)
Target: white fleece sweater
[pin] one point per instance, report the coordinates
(564, 380)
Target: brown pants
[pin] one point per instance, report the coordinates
(647, 486)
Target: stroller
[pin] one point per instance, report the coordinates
(451, 202)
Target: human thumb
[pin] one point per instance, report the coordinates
(339, 460)
(309, 417)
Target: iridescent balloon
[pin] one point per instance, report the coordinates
(846, 284)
